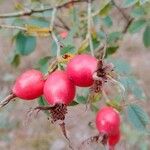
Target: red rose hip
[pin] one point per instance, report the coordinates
(108, 120)
(29, 85)
(113, 140)
(58, 89)
(80, 69)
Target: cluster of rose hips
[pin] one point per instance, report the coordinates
(59, 88)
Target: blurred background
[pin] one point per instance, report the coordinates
(38, 133)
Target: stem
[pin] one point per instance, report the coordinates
(7, 100)
(127, 25)
(120, 85)
(63, 128)
(53, 34)
(12, 27)
(89, 28)
(53, 18)
(105, 96)
(57, 43)
(63, 23)
(29, 12)
(105, 47)
(120, 10)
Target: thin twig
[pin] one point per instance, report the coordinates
(29, 12)
(7, 100)
(89, 28)
(127, 25)
(53, 18)
(122, 88)
(120, 10)
(63, 23)
(53, 34)
(13, 27)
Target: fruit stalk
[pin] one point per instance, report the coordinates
(7, 100)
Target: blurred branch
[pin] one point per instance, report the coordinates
(29, 12)
(89, 28)
(13, 27)
(121, 11)
(127, 25)
(53, 34)
(63, 23)
(127, 18)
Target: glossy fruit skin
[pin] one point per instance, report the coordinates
(59, 88)
(108, 120)
(114, 139)
(81, 68)
(29, 85)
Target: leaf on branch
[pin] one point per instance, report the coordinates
(129, 3)
(38, 21)
(107, 21)
(81, 99)
(113, 37)
(105, 8)
(143, 2)
(37, 31)
(16, 60)
(146, 36)
(132, 86)
(68, 49)
(25, 44)
(42, 102)
(44, 64)
(111, 50)
(136, 26)
(138, 117)
(74, 103)
(83, 46)
(138, 12)
(122, 67)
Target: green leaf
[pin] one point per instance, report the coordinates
(37, 21)
(107, 21)
(44, 63)
(137, 12)
(74, 103)
(121, 66)
(69, 39)
(114, 37)
(136, 26)
(111, 50)
(42, 102)
(143, 2)
(94, 108)
(105, 9)
(132, 86)
(68, 49)
(25, 44)
(138, 117)
(128, 3)
(16, 60)
(81, 99)
(146, 36)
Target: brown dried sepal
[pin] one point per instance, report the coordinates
(100, 76)
(100, 138)
(58, 112)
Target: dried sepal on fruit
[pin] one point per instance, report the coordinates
(59, 92)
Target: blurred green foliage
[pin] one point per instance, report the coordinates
(77, 22)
